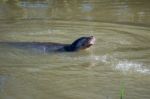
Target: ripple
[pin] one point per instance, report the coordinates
(2, 82)
(124, 66)
(127, 66)
(94, 58)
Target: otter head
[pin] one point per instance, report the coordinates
(82, 43)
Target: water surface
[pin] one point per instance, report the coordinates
(121, 55)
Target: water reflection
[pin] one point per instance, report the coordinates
(106, 11)
(10, 10)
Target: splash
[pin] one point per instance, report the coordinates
(94, 58)
(127, 66)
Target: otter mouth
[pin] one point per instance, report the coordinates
(83, 43)
(92, 40)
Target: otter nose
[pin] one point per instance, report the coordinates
(92, 40)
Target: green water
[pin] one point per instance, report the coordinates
(121, 53)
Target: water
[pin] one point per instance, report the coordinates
(121, 54)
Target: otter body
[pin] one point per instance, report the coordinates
(79, 44)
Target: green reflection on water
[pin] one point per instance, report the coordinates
(137, 12)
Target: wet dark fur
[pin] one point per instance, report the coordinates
(52, 47)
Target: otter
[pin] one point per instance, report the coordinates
(79, 44)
